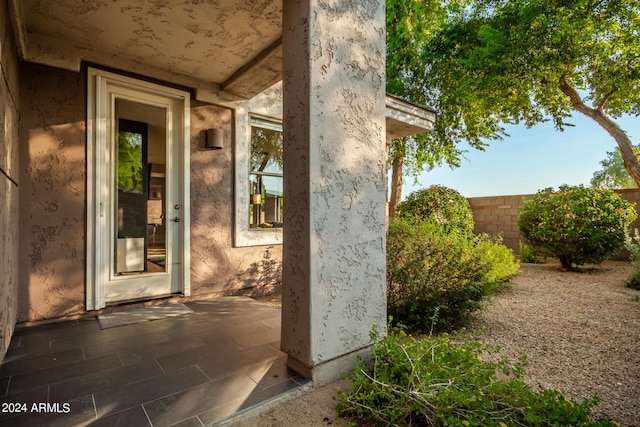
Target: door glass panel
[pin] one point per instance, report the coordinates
(139, 205)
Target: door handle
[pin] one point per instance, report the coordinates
(176, 219)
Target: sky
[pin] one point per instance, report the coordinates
(530, 159)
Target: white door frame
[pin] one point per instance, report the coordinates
(98, 107)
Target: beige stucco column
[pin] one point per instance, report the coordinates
(334, 189)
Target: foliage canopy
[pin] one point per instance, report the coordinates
(486, 63)
(442, 205)
(578, 225)
(613, 173)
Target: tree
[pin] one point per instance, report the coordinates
(578, 225)
(497, 62)
(410, 24)
(613, 173)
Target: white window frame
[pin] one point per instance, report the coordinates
(265, 106)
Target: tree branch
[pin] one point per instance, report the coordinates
(574, 97)
(606, 98)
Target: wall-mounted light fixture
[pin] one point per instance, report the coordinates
(215, 139)
(256, 199)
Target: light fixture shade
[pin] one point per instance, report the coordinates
(215, 139)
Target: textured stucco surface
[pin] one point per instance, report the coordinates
(174, 40)
(216, 266)
(9, 182)
(52, 192)
(335, 162)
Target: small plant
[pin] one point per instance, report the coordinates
(578, 225)
(633, 246)
(442, 205)
(439, 381)
(528, 254)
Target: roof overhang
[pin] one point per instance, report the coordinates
(404, 118)
(229, 45)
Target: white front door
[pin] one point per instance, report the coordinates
(138, 216)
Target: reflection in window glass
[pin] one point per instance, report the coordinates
(265, 177)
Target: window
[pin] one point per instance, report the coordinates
(265, 176)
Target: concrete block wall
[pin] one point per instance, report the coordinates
(498, 215)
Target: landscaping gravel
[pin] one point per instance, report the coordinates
(580, 331)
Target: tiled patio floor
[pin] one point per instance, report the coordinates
(191, 370)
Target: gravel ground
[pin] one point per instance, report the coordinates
(580, 331)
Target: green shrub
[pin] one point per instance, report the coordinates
(437, 381)
(528, 254)
(436, 278)
(439, 204)
(499, 261)
(578, 225)
(633, 246)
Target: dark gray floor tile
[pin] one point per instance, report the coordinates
(4, 385)
(28, 398)
(221, 412)
(27, 348)
(221, 366)
(263, 395)
(273, 321)
(124, 397)
(104, 380)
(186, 371)
(14, 366)
(57, 330)
(127, 340)
(57, 414)
(133, 417)
(269, 374)
(36, 378)
(220, 340)
(129, 356)
(178, 325)
(181, 406)
(193, 356)
(260, 336)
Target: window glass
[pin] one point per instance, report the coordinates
(265, 176)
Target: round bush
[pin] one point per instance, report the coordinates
(578, 225)
(434, 279)
(442, 205)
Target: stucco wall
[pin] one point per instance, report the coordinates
(9, 181)
(335, 165)
(53, 197)
(52, 192)
(215, 265)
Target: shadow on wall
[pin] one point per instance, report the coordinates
(263, 277)
(52, 195)
(217, 267)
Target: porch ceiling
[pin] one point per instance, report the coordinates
(232, 45)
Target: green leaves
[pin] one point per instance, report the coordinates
(442, 205)
(613, 173)
(578, 225)
(444, 382)
(437, 269)
(482, 64)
